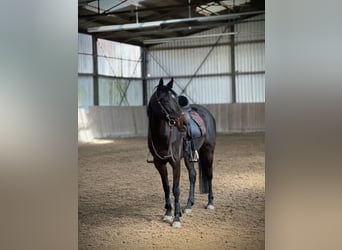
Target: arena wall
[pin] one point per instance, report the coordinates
(109, 121)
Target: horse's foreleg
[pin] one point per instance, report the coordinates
(165, 181)
(192, 180)
(176, 193)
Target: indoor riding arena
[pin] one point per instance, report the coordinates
(214, 53)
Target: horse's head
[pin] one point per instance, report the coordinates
(164, 103)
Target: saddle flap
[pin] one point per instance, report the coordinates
(199, 122)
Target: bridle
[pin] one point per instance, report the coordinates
(172, 122)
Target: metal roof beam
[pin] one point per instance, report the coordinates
(154, 24)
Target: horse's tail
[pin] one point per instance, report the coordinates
(203, 174)
(206, 151)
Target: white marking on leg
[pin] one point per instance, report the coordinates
(167, 218)
(188, 211)
(176, 224)
(210, 207)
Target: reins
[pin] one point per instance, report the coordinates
(169, 150)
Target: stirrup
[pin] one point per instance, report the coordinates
(194, 157)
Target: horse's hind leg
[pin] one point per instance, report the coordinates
(210, 193)
(192, 179)
(161, 167)
(206, 160)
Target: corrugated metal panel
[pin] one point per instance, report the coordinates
(210, 90)
(203, 90)
(187, 61)
(120, 92)
(250, 88)
(170, 59)
(85, 59)
(134, 93)
(250, 57)
(252, 29)
(118, 50)
(84, 44)
(118, 67)
(85, 64)
(118, 59)
(109, 66)
(85, 91)
(198, 42)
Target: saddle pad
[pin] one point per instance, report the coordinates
(199, 121)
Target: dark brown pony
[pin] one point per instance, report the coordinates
(166, 133)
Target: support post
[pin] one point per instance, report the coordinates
(95, 72)
(144, 73)
(232, 55)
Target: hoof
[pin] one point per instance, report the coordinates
(167, 218)
(176, 224)
(188, 211)
(210, 207)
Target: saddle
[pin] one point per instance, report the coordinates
(196, 124)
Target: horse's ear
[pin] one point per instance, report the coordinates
(161, 83)
(170, 84)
